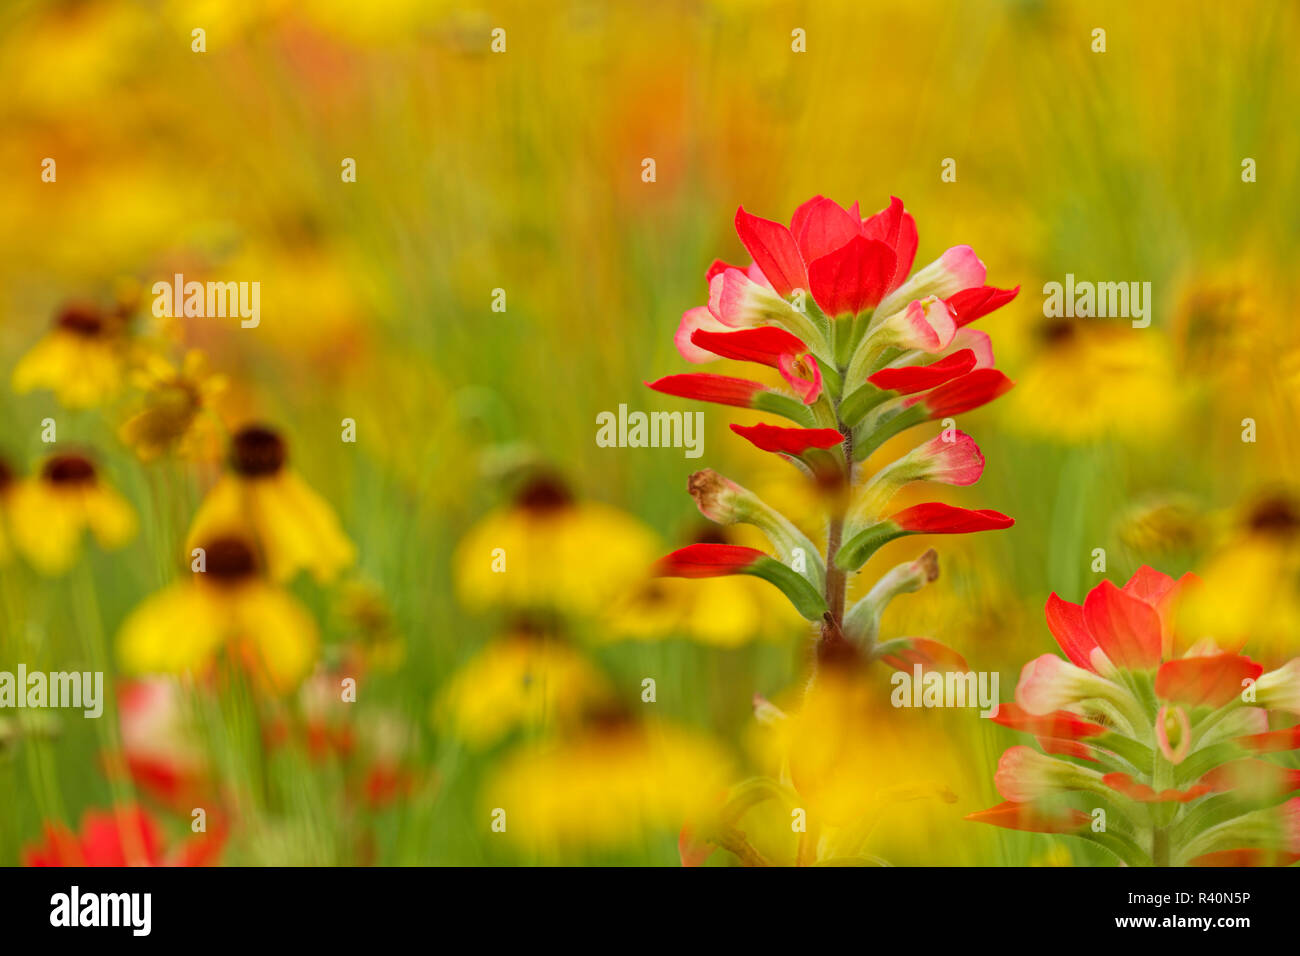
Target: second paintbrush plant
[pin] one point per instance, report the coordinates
(867, 351)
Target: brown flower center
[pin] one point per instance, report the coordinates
(608, 717)
(1060, 332)
(229, 560)
(257, 451)
(1275, 516)
(6, 475)
(69, 470)
(544, 494)
(81, 319)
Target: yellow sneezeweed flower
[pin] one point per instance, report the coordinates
(1090, 379)
(1250, 587)
(525, 680)
(82, 359)
(225, 606)
(293, 526)
(614, 784)
(48, 514)
(175, 411)
(547, 550)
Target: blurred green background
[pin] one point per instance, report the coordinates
(522, 171)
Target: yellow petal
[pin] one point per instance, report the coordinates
(46, 526)
(176, 631)
(111, 518)
(82, 372)
(278, 632)
(298, 529)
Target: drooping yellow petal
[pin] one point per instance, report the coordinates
(276, 631)
(294, 526)
(175, 631)
(299, 529)
(46, 526)
(110, 517)
(83, 372)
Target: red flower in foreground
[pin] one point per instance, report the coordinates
(867, 349)
(127, 836)
(1155, 736)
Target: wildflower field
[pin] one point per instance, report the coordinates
(709, 433)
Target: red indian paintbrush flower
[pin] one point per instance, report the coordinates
(866, 348)
(1157, 741)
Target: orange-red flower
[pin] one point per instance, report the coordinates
(1164, 748)
(127, 836)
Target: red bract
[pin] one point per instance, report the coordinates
(788, 441)
(774, 252)
(1126, 628)
(1124, 784)
(764, 345)
(917, 378)
(971, 304)
(1209, 681)
(707, 561)
(705, 387)
(908, 652)
(1272, 741)
(1027, 816)
(937, 518)
(768, 346)
(964, 393)
(853, 278)
(1059, 723)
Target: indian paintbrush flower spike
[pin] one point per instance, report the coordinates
(866, 353)
(1149, 747)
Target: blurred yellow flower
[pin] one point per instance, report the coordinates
(526, 680)
(612, 785)
(1160, 527)
(228, 606)
(49, 512)
(82, 359)
(293, 526)
(369, 622)
(722, 611)
(1091, 380)
(547, 550)
(1250, 587)
(176, 413)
